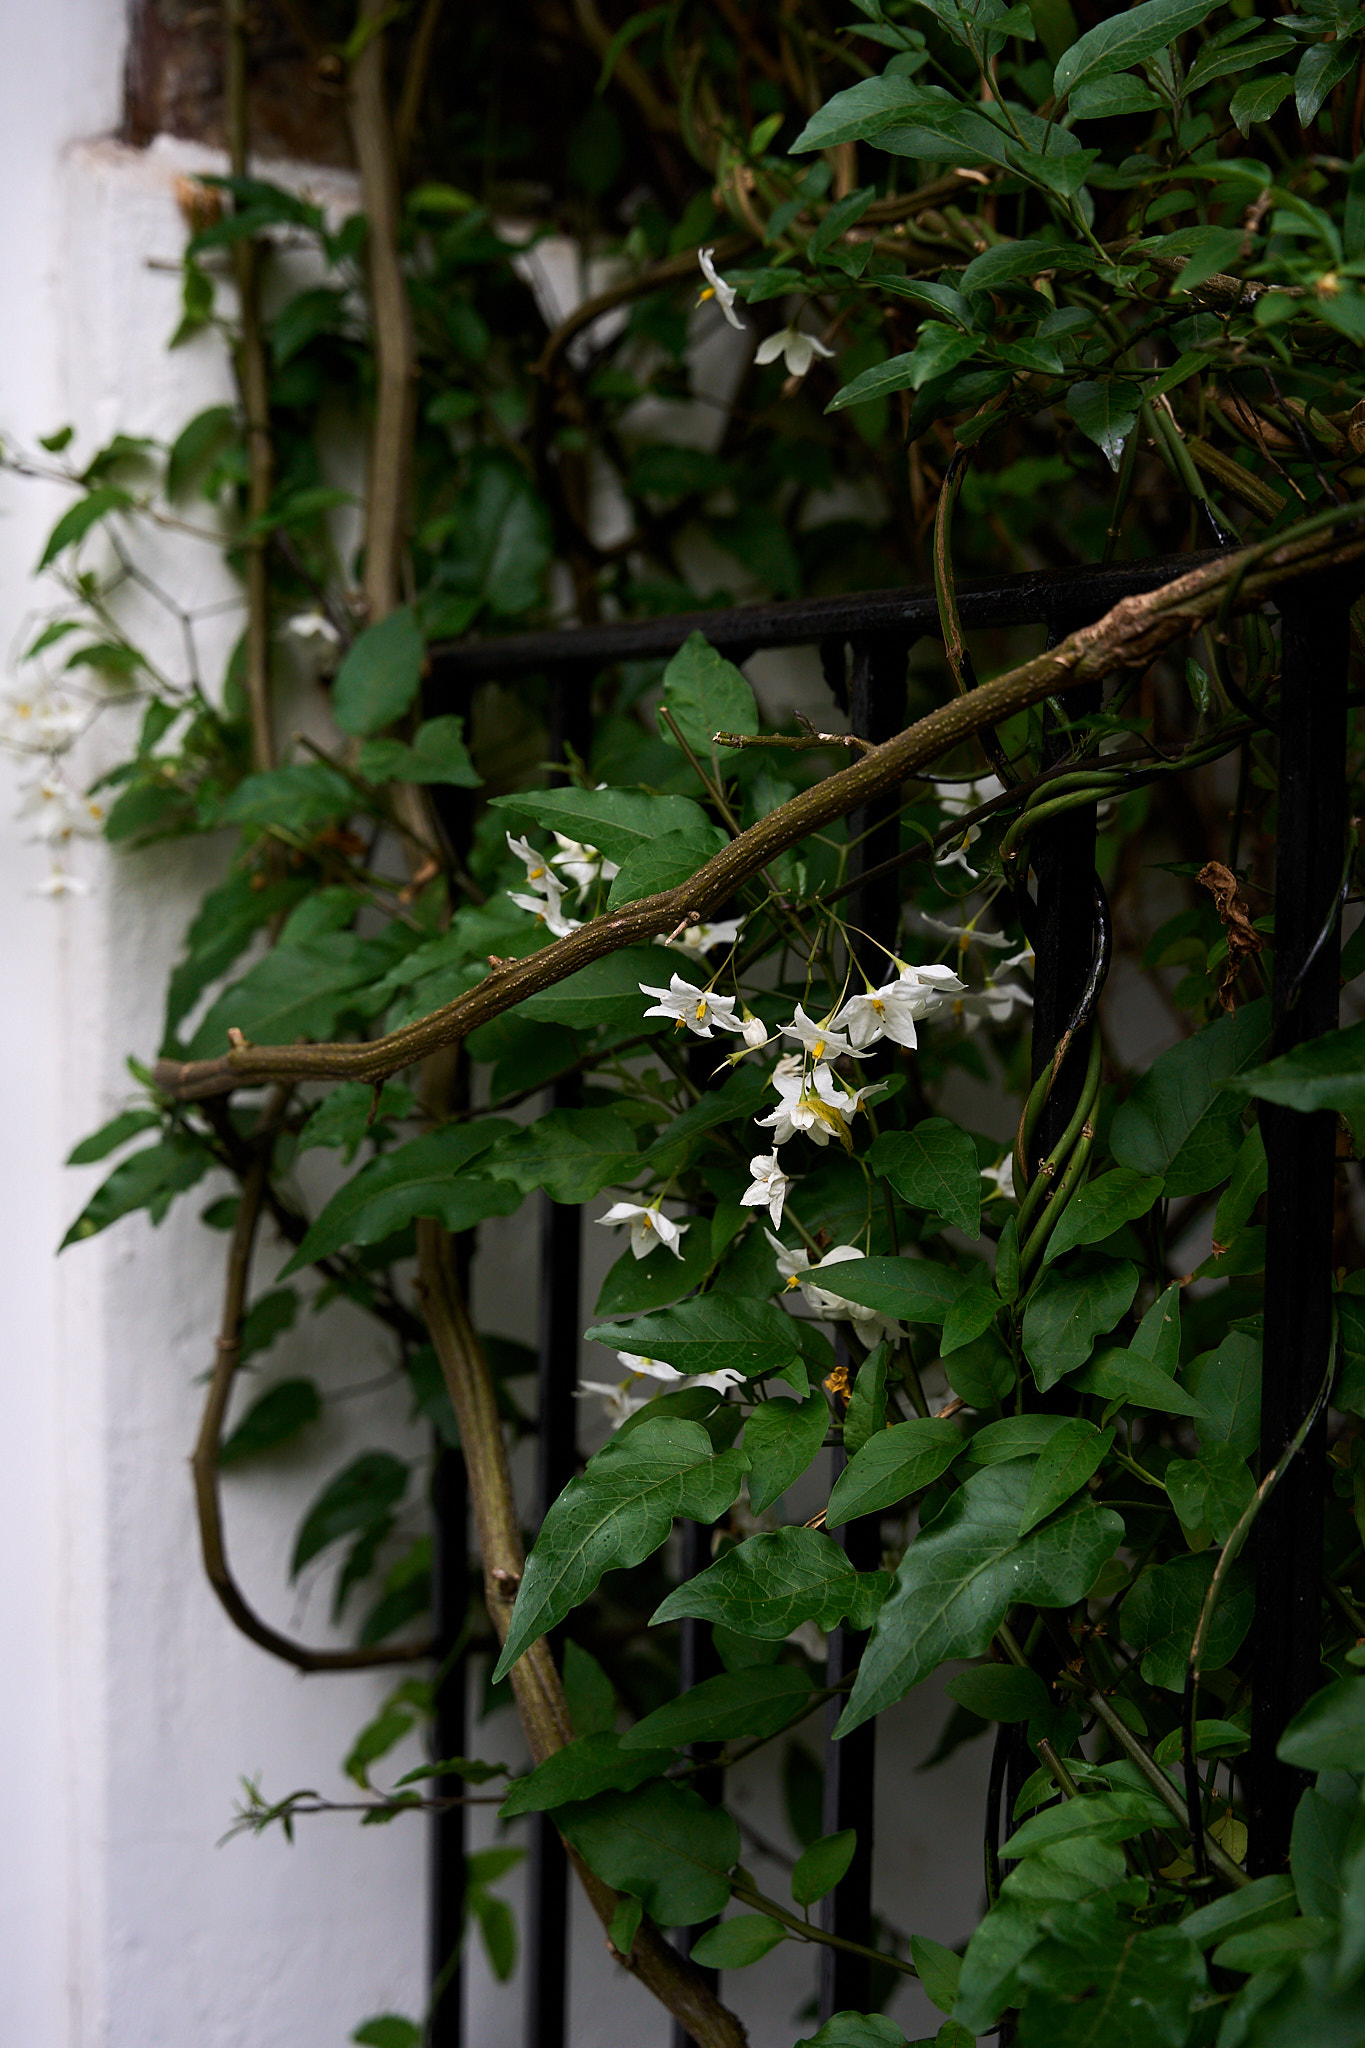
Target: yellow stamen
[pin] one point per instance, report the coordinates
(817, 1051)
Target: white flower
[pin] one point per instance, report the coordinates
(820, 1106)
(798, 350)
(821, 1041)
(971, 797)
(721, 1380)
(700, 938)
(648, 1227)
(648, 1368)
(620, 1402)
(965, 934)
(755, 1033)
(993, 1004)
(314, 633)
(538, 876)
(795, 1266)
(1001, 1176)
(547, 909)
(1024, 959)
(769, 1188)
(39, 719)
(57, 814)
(893, 1010)
(694, 1007)
(59, 883)
(582, 864)
(717, 288)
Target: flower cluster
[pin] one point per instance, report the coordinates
(626, 1397)
(42, 721)
(544, 894)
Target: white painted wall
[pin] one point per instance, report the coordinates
(129, 1708)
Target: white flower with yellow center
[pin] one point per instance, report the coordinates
(57, 814)
(818, 1104)
(769, 1186)
(39, 719)
(821, 1041)
(716, 288)
(584, 865)
(994, 1004)
(969, 797)
(893, 1010)
(692, 1008)
(797, 349)
(545, 906)
(795, 1268)
(1001, 1178)
(59, 883)
(539, 875)
(648, 1227)
(700, 938)
(619, 1401)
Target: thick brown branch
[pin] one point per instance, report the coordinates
(674, 1981)
(1128, 637)
(204, 1461)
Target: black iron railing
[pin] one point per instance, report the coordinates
(864, 641)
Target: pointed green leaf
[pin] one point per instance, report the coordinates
(1180, 1088)
(960, 1576)
(1162, 1611)
(909, 1290)
(820, 1867)
(1210, 1491)
(1325, 1073)
(1106, 413)
(1068, 1310)
(1126, 38)
(1101, 1207)
(571, 1153)
(616, 1513)
(769, 1585)
(735, 1706)
(110, 1136)
(891, 1466)
(590, 1693)
(736, 1943)
(617, 821)
(933, 1167)
(75, 523)
(381, 675)
(939, 1970)
(781, 1439)
(663, 1844)
(149, 1179)
(1127, 1377)
(999, 1692)
(280, 1413)
(1329, 1733)
(707, 1333)
(865, 1415)
(1065, 1463)
(1227, 1385)
(665, 863)
(604, 995)
(706, 694)
(592, 1764)
(437, 754)
(359, 1497)
(425, 1177)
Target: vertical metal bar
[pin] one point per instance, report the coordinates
(1299, 1200)
(561, 1244)
(876, 711)
(450, 1605)
(697, 1659)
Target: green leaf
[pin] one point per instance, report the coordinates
(227, 918)
(1114, 1816)
(1106, 413)
(940, 349)
(1015, 262)
(279, 1414)
(268, 1317)
(1065, 1463)
(1319, 1847)
(571, 1153)
(298, 798)
(1126, 1376)
(933, 1167)
(1162, 1611)
(77, 521)
(999, 1692)
(1211, 1738)
(616, 821)
(381, 675)
(604, 995)
(663, 1844)
(1068, 1310)
(1320, 69)
(781, 1438)
(1178, 1090)
(590, 1693)
(865, 1415)
(1265, 1898)
(633, 1285)
(707, 1333)
(1325, 1073)
(592, 1764)
(150, 1179)
(820, 1867)
(1277, 1941)
(357, 1499)
(859, 112)
(625, 1924)
(1106, 1983)
(437, 754)
(856, 2030)
(908, 1290)
(1210, 1491)
(196, 446)
(1227, 1385)
(1101, 1207)
(297, 991)
(616, 1513)
(769, 1585)
(960, 1576)
(939, 1970)
(1126, 39)
(664, 863)
(735, 1706)
(1329, 1733)
(129, 1124)
(891, 1466)
(425, 1177)
(1250, 1178)
(1015, 1436)
(388, 2030)
(736, 1943)
(706, 694)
